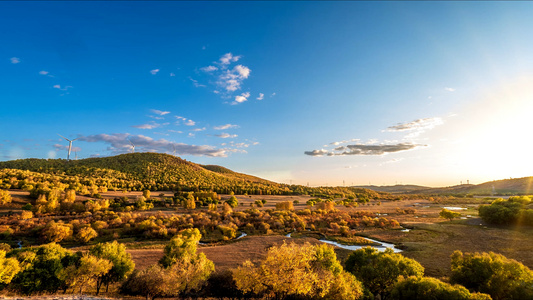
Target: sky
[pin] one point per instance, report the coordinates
(312, 93)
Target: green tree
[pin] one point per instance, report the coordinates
(181, 247)
(427, 288)
(233, 202)
(122, 263)
(492, 273)
(380, 270)
(9, 267)
(448, 214)
(41, 267)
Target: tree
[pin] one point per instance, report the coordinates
(492, 273)
(448, 214)
(89, 270)
(292, 270)
(427, 288)
(85, 234)
(56, 232)
(41, 267)
(9, 267)
(122, 263)
(146, 194)
(233, 202)
(380, 270)
(181, 270)
(5, 197)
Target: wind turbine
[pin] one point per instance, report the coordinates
(69, 144)
(132, 146)
(174, 151)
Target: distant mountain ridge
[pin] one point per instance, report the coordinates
(513, 186)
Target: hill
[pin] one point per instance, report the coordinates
(152, 171)
(513, 186)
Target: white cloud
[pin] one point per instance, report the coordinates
(172, 74)
(195, 82)
(190, 123)
(226, 135)
(57, 86)
(175, 131)
(273, 94)
(224, 127)
(118, 143)
(209, 69)
(228, 58)
(261, 96)
(241, 98)
(43, 72)
(153, 72)
(159, 112)
(449, 89)
(147, 126)
(243, 71)
(15, 60)
(199, 129)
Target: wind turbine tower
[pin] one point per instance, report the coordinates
(69, 145)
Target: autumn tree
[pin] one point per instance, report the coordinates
(5, 197)
(88, 271)
(492, 273)
(122, 263)
(9, 267)
(85, 234)
(380, 270)
(56, 232)
(292, 270)
(427, 288)
(181, 270)
(448, 214)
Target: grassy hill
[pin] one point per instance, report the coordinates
(394, 189)
(152, 171)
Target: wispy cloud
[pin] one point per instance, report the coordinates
(172, 74)
(209, 69)
(65, 88)
(147, 126)
(449, 89)
(360, 149)
(224, 127)
(190, 123)
(15, 60)
(228, 58)
(159, 112)
(226, 135)
(118, 143)
(44, 72)
(195, 82)
(241, 98)
(416, 127)
(261, 96)
(154, 71)
(199, 129)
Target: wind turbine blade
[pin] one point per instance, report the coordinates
(63, 137)
(75, 139)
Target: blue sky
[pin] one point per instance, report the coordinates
(323, 93)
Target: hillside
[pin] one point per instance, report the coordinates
(152, 171)
(394, 189)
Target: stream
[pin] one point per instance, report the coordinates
(381, 247)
